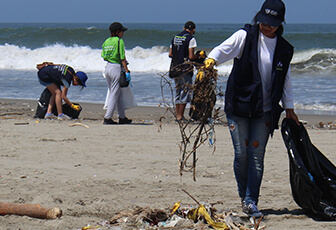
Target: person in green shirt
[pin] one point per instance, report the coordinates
(114, 53)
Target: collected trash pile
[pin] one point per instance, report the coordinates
(204, 216)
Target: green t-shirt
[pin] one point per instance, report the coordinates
(111, 51)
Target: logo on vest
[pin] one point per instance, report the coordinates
(271, 12)
(279, 66)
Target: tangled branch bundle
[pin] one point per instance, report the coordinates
(200, 126)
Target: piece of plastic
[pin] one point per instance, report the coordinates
(312, 175)
(127, 98)
(176, 206)
(201, 211)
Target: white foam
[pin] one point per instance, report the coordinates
(151, 60)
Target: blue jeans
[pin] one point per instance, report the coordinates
(249, 138)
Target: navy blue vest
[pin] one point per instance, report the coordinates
(244, 92)
(180, 48)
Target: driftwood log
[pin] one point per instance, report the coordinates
(31, 210)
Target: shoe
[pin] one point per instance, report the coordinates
(63, 117)
(251, 209)
(109, 122)
(125, 121)
(50, 116)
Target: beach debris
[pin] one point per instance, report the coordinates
(195, 214)
(199, 128)
(21, 123)
(11, 113)
(31, 210)
(256, 223)
(303, 122)
(202, 216)
(328, 125)
(53, 140)
(177, 205)
(91, 227)
(78, 124)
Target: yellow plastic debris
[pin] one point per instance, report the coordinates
(90, 227)
(176, 206)
(193, 214)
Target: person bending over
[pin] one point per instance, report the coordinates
(58, 78)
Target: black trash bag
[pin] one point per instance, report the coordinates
(312, 175)
(43, 102)
(69, 111)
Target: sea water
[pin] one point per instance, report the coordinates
(22, 46)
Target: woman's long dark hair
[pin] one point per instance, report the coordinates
(279, 31)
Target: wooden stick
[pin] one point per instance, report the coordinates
(78, 124)
(21, 123)
(31, 210)
(191, 196)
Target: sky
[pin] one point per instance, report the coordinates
(158, 11)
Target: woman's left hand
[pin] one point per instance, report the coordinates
(292, 115)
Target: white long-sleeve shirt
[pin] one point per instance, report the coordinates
(233, 48)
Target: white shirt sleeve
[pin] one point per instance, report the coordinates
(229, 49)
(192, 43)
(288, 95)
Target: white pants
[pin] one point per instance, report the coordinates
(114, 99)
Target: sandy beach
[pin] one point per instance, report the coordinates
(93, 172)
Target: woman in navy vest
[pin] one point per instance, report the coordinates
(259, 80)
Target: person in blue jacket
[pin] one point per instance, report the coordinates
(58, 78)
(259, 80)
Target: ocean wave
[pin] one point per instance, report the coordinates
(151, 60)
(314, 61)
(316, 107)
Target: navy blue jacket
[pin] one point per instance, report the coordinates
(244, 91)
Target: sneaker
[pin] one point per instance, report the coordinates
(251, 209)
(125, 121)
(109, 122)
(50, 116)
(63, 117)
